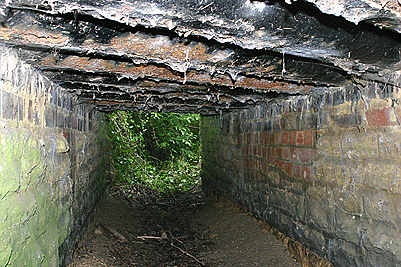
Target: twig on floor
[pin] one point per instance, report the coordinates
(178, 240)
(186, 253)
(144, 237)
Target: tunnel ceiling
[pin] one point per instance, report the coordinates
(203, 56)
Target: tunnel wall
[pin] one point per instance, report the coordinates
(52, 167)
(325, 169)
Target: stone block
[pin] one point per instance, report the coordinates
(347, 226)
(299, 138)
(284, 137)
(380, 235)
(383, 206)
(343, 253)
(320, 209)
(378, 117)
(292, 137)
(336, 189)
(288, 201)
(308, 138)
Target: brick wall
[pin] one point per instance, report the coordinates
(52, 169)
(323, 168)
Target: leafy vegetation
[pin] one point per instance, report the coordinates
(160, 150)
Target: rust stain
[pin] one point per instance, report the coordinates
(164, 73)
(86, 64)
(153, 47)
(160, 47)
(40, 37)
(50, 60)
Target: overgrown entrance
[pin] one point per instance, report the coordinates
(160, 151)
(155, 213)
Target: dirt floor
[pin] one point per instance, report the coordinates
(133, 229)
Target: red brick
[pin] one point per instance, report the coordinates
(378, 117)
(308, 138)
(284, 138)
(300, 138)
(277, 153)
(277, 138)
(293, 135)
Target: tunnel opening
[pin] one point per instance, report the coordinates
(155, 212)
(157, 150)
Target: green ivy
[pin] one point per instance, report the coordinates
(160, 150)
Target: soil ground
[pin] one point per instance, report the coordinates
(133, 229)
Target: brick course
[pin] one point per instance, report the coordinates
(328, 165)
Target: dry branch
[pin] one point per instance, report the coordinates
(144, 237)
(186, 253)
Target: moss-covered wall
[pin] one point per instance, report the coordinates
(52, 167)
(325, 169)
